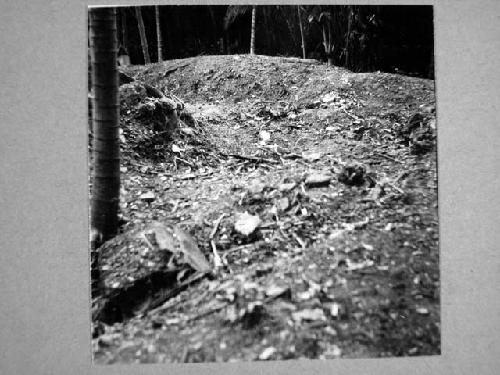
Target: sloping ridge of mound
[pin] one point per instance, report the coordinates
(238, 77)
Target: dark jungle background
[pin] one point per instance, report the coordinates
(364, 38)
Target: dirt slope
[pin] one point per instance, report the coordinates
(339, 168)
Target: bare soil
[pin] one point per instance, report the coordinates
(340, 168)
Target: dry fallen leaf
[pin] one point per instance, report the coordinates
(286, 186)
(264, 136)
(246, 224)
(309, 315)
(176, 149)
(283, 204)
(191, 251)
(276, 291)
(164, 237)
(330, 97)
(311, 156)
(267, 353)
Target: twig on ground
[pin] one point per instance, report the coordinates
(202, 314)
(143, 235)
(356, 118)
(269, 225)
(251, 158)
(274, 151)
(387, 157)
(299, 240)
(217, 259)
(177, 289)
(216, 225)
(185, 161)
(244, 247)
(399, 190)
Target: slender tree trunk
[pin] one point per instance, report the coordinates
(158, 34)
(328, 43)
(301, 33)
(348, 35)
(252, 35)
(105, 120)
(142, 33)
(123, 16)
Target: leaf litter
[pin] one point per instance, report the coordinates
(291, 214)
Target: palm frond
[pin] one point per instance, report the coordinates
(233, 12)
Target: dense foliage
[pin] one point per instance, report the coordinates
(363, 38)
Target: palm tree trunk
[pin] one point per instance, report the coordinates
(105, 120)
(142, 33)
(301, 34)
(252, 35)
(158, 34)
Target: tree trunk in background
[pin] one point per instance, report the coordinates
(158, 34)
(348, 35)
(105, 122)
(328, 43)
(123, 15)
(301, 34)
(142, 33)
(252, 35)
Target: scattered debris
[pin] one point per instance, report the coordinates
(352, 175)
(242, 229)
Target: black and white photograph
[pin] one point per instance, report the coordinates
(263, 183)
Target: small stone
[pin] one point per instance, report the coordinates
(334, 310)
(422, 311)
(264, 136)
(318, 180)
(311, 156)
(147, 197)
(286, 186)
(283, 204)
